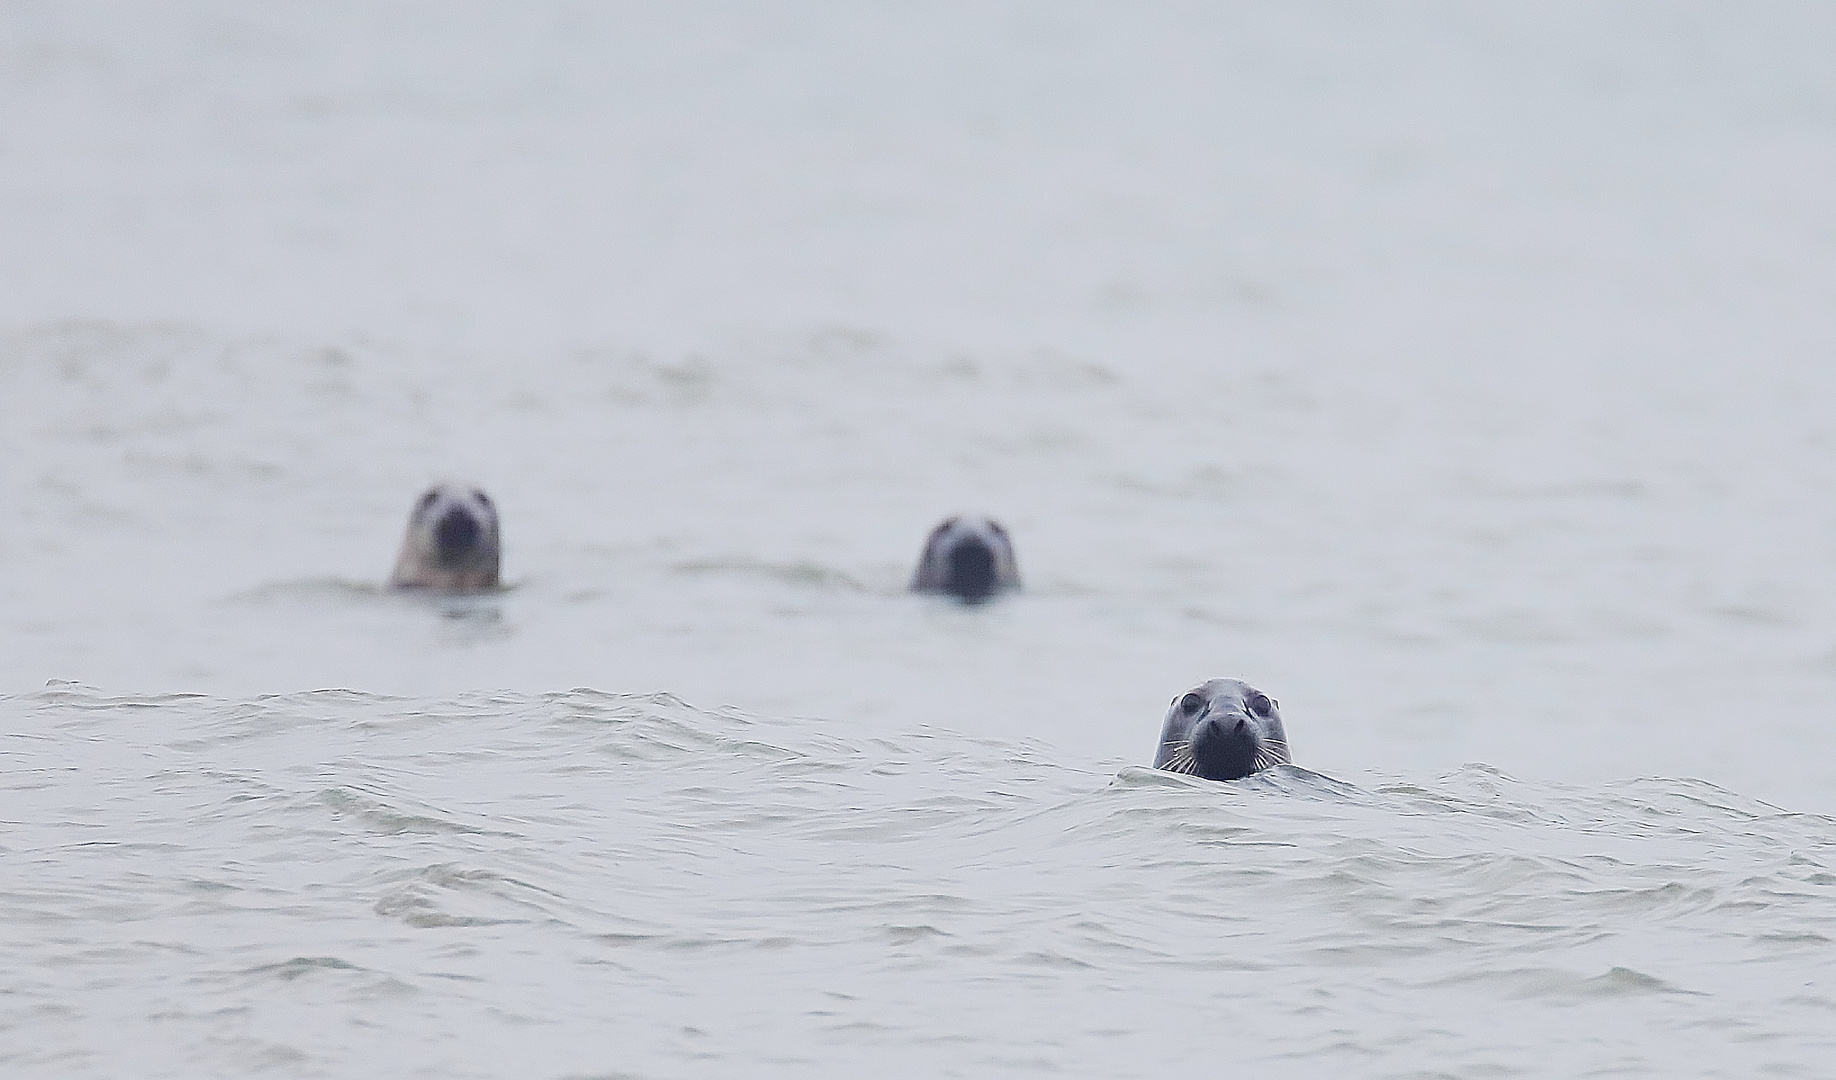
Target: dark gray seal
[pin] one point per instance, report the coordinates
(968, 556)
(452, 542)
(1225, 729)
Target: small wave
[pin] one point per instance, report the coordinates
(380, 817)
(803, 574)
(345, 590)
(1562, 985)
(1287, 779)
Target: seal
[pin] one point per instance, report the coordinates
(968, 556)
(1225, 729)
(451, 543)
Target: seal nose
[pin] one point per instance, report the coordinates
(1231, 724)
(972, 568)
(455, 533)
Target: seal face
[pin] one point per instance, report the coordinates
(968, 556)
(451, 543)
(1225, 729)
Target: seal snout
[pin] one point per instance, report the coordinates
(456, 534)
(972, 569)
(1225, 744)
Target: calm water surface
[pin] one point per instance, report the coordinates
(1462, 378)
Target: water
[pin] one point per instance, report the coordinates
(1460, 377)
(586, 883)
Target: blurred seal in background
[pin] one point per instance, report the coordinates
(967, 556)
(452, 542)
(1225, 729)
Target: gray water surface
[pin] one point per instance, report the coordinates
(585, 884)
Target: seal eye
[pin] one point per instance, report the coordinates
(1191, 703)
(1261, 705)
(427, 499)
(485, 500)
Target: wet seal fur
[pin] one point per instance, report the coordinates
(1225, 729)
(968, 556)
(452, 542)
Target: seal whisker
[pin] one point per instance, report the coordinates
(1181, 760)
(1273, 752)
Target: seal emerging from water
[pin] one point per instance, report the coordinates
(452, 542)
(1225, 729)
(968, 556)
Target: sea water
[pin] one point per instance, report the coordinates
(1461, 377)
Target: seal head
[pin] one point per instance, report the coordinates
(968, 556)
(451, 543)
(1225, 729)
